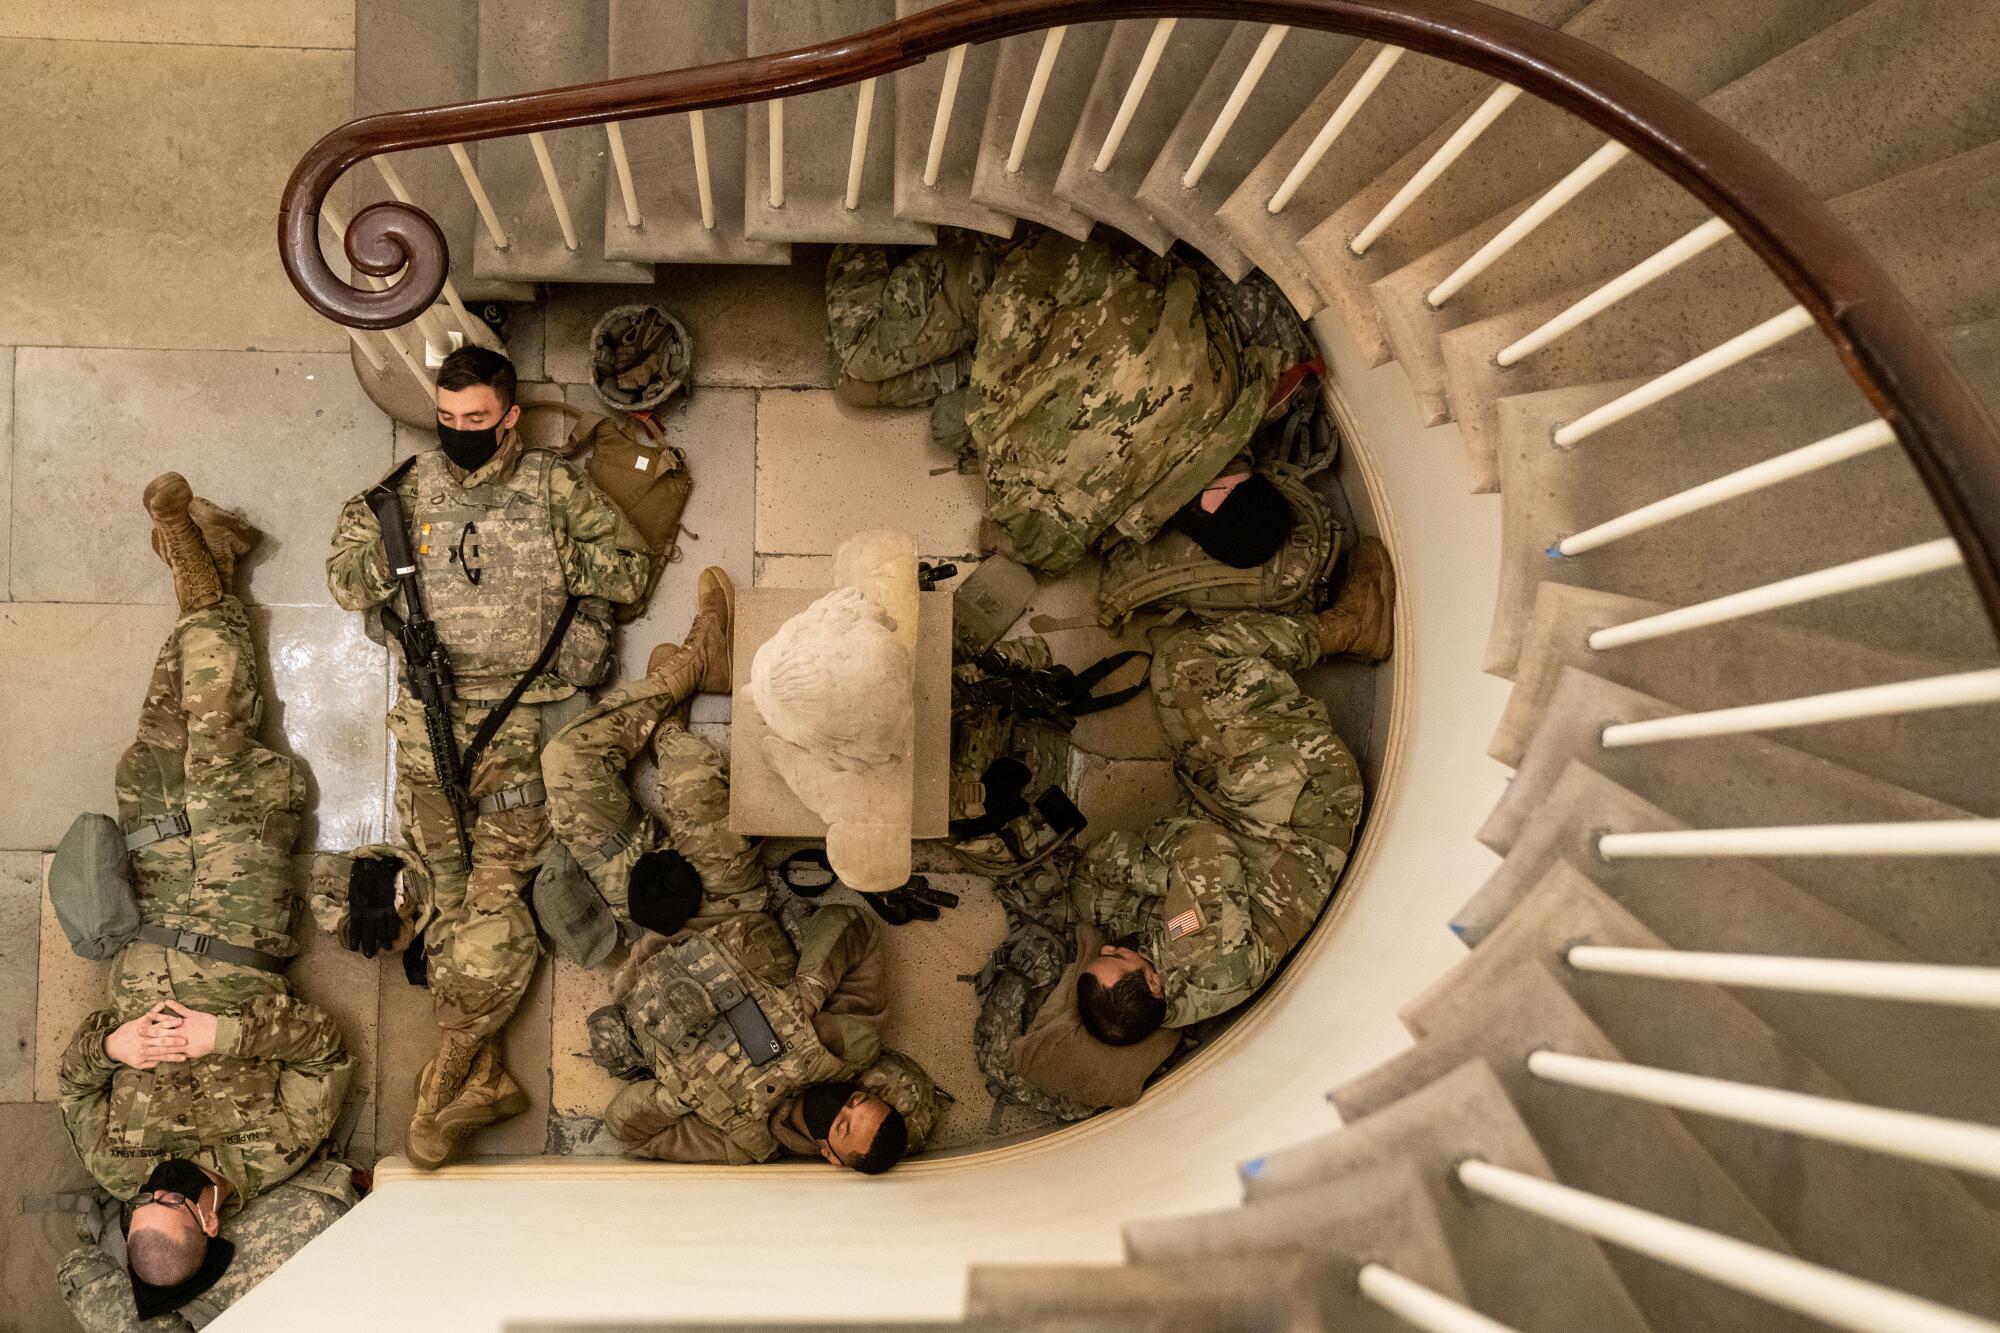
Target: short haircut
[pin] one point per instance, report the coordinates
(892, 1140)
(165, 1259)
(473, 364)
(1120, 1015)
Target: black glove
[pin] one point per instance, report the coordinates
(372, 923)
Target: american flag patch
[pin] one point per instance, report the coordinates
(1187, 923)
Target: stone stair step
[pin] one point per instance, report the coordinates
(1534, 143)
(1110, 195)
(1921, 66)
(1948, 754)
(1943, 908)
(1920, 1230)
(819, 139)
(1505, 1258)
(1418, 95)
(1588, 1139)
(400, 65)
(1929, 228)
(949, 202)
(649, 36)
(1272, 1292)
(1380, 1214)
(1783, 400)
(527, 47)
(1934, 1059)
(1297, 70)
(1030, 192)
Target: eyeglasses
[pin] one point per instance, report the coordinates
(169, 1198)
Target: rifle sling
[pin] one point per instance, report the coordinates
(489, 727)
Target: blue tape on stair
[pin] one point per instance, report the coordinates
(1253, 1168)
(1555, 551)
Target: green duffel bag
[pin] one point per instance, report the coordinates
(90, 887)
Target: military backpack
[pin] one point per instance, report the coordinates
(647, 478)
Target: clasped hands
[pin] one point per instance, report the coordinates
(168, 1033)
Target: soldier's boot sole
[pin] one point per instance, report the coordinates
(178, 542)
(1361, 622)
(228, 536)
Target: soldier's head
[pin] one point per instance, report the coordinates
(173, 1218)
(475, 404)
(1120, 997)
(1240, 519)
(853, 1128)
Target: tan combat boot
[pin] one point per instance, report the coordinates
(486, 1097)
(178, 542)
(228, 536)
(701, 663)
(1360, 621)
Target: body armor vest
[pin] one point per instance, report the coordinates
(491, 571)
(676, 1014)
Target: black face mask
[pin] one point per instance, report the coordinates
(820, 1103)
(180, 1176)
(469, 449)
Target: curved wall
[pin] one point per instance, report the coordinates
(477, 1247)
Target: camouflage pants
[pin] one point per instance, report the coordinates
(891, 322)
(480, 943)
(230, 876)
(593, 813)
(1260, 753)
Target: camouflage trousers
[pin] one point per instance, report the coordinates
(229, 876)
(892, 323)
(480, 944)
(595, 816)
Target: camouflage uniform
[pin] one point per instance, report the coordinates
(595, 816)
(1216, 896)
(1107, 389)
(894, 325)
(560, 536)
(254, 1110)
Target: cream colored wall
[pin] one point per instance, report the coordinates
(601, 1240)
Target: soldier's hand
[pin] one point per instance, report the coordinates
(196, 1029)
(153, 1038)
(372, 922)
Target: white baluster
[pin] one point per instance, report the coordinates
(1688, 374)
(1544, 208)
(698, 136)
(623, 166)
(1959, 690)
(1915, 983)
(1611, 293)
(1838, 1299)
(1440, 162)
(1871, 571)
(1939, 1141)
(411, 362)
(1915, 837)
(1419, 1306)
(368, 352)
(1350, 105)
(554, 187)
(394, 180)
(954, 68)
(1246, 83)
(776, 112)
(857, 153)
(1798, 463)
(1032, 106)
(1149, 61)
(494, 231)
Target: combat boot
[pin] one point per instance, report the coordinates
(178, 542)
(488, 1096)
(701, 663)
(228, 536)
(1360, 622)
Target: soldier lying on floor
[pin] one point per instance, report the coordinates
(1200, 908)
(204, 1082)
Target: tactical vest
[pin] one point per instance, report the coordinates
(1171, 571)
(500, 534)
(676, 1014)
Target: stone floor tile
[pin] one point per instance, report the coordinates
(580, 1088)
(1126, 793)
(283, 23)
(753, 326)
(326, 691)
(6, 470)
(826, 471)
(284, 437)
(344, 984)
(20, 961)
(174, 158)
(40, 1162)
(68, 989)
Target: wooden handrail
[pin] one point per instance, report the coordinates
(1941, 423)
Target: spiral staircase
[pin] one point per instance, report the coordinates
(1723, 1053)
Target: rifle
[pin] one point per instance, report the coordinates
(427, 664)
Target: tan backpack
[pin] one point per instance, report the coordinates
(631, 461)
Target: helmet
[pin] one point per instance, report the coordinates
(639, 356)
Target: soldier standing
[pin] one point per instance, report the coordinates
(503, 541)
(205, 1082)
